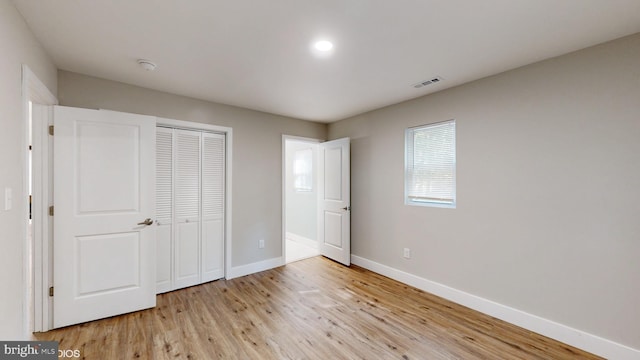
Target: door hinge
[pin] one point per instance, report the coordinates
(50, 210)
(51, 130)
(51, 291)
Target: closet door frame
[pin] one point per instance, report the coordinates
(228, 132)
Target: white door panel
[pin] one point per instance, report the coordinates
(187, 253)
(164, 209)
(333, 173)
(213, 190)
(104, 185)
(117, 255)
(333, 228)
(163, 257)
(187, 208)
(119, 171)
(334, 217)
(212, 249)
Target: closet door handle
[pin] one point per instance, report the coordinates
(147, 221)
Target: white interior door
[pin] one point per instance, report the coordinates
(334, 191)
(104, 186)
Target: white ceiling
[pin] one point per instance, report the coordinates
(256, 53)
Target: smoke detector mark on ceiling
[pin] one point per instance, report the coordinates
(434, 80)
(147, 64)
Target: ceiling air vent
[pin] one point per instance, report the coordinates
(435, 80)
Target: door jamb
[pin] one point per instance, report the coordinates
(36, 257)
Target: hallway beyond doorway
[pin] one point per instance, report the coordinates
(299, 251)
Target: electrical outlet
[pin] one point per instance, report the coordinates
(407, 253)
(261, 243)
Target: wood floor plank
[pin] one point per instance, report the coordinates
(310, 309)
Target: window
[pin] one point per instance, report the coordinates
(430, 165)
(302, 170)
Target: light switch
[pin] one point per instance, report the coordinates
(8, 198)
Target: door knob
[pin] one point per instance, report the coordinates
(346, 208)
(147, 221)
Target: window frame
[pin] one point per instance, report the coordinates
(408, 147)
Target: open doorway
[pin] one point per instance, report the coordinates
(300, 203)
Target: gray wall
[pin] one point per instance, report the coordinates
(18, 46)
(548, 169)
(301, 205)
(257, 151)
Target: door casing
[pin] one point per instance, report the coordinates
(343, 258)
(36, 303)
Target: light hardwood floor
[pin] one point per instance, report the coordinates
(310, 309)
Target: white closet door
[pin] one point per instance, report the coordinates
(213, 188)
(187, 208)
(164, 208)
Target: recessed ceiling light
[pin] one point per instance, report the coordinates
(323, 45)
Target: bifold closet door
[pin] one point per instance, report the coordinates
(164, 209)
(213, 175)
(190, 206)
(187, 208)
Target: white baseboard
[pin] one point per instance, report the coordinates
(255, 267)
(574, 337)
(302, 240)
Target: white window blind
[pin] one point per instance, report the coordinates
(302, 170)
(430, 169)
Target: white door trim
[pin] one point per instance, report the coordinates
(285, 138)
(36, 257)
(180, 124)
